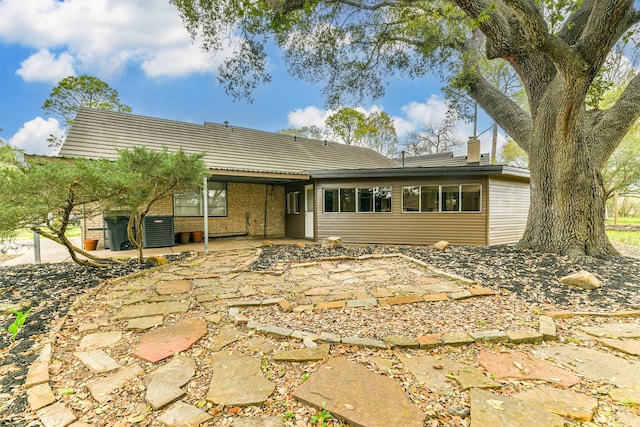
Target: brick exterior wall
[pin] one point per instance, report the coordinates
(241, 199)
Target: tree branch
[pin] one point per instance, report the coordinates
(614, 123)
(513, 119)
(611, 19)
(572, 29)
(541, 39)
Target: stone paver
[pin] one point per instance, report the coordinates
(631, 347)
(523, 336)
(100, 340)
(101, 388)
(38, 372)
(237, 380)
(429, 341)
(97, 361)
(163, 385)
(370, 399)
(456, 338)
(469, 377)
(404, 299)
(520, 366)
(547, 328)
(144, 323)
(566, 403)
(226, 337)
(614, 330)
(490, 409)
(259, 422)
(402, 341)
(164, 342)
(152, 309)
(592, 364)
(56, 415)
(489, 336)
(320, 352)
(627, 394)
(182, 414)
(173, 287)
(40, 396)
(431, 370)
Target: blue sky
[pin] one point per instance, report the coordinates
(141, 49)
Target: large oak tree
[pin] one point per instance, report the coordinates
(556, 47)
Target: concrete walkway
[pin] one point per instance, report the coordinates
(187, 344)
(52, 252)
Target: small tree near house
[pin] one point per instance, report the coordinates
(150, 176)
(42, 194)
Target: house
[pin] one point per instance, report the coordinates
(265, 184)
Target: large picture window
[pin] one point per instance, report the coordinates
(361, 200)
(190, 203)
(442, 198)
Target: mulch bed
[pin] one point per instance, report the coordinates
(530, 277)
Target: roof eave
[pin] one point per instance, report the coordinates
(421, 171)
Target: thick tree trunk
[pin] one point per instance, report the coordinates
(567, 210)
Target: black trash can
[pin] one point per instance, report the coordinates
(117, 230)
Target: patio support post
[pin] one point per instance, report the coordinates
(36, 248)
(205, 200)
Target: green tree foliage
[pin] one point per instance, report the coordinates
(75, 92)
(512, 155)
(375, 131)
(150, 176)
(380, 134)
(621, 173)
(41, 195)
(9, 156)
(313, 132)
(348, 125)
(558, 49)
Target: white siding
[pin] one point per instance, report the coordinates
(508, 210)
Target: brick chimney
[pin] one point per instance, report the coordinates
(473, 151)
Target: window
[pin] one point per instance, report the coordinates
(430, 198)
(470, 197)
(450, 198)
(293, 202)
(365, 199)
(442, 198)
(331, 200)
(411, 199)
(190, 203)
(361, 200)
(347, 200)
(382, 197)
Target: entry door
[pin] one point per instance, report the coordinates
(308, 212)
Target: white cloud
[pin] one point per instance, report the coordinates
(415, 115)
(32, 136)
(105, 36)
(308, 116)
(44, 66)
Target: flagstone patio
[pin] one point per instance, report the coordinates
(209, 342)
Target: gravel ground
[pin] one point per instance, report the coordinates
(532, 277)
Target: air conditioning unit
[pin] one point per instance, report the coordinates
(158, 231)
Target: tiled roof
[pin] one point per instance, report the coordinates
(440, 160)
(99, 134)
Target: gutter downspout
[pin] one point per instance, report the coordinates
(205, 198)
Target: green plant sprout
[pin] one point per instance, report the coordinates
(17, 324)
(321, 417)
